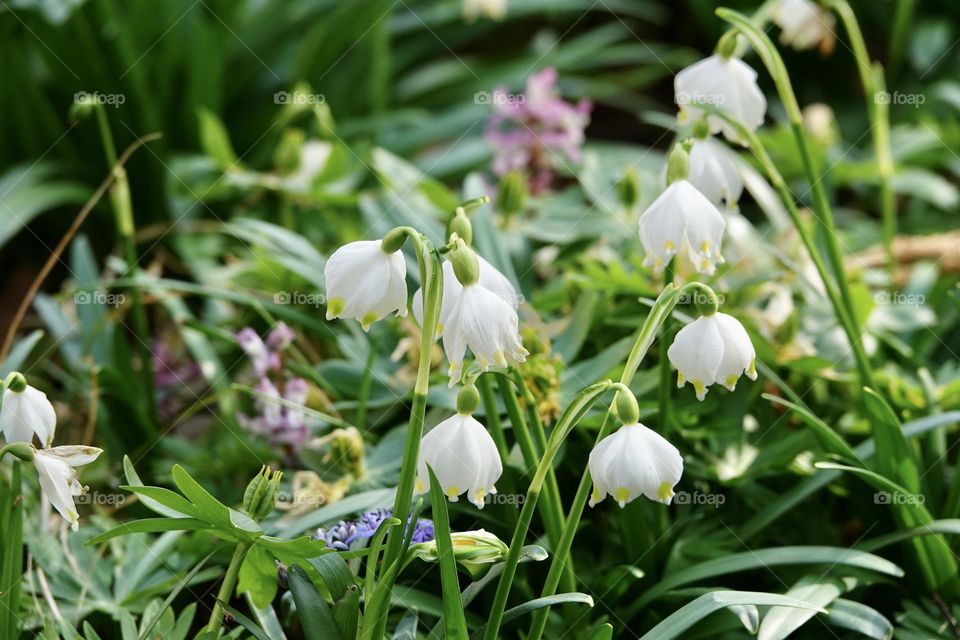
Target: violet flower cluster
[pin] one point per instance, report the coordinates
(278, 422)
(342, 534)
(537, 131)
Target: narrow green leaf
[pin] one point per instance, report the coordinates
(316, 618)
(149, 525)
(865, 620)
(455, 626)
(548, 601)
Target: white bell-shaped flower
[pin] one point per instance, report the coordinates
(634, 461)
(365, 283)
(25, 414)
(713, 171)
(682, 219)
(58, 477)
(490, 278)
(713, 349)
(804, 25)
(729, 85)
(464, 458)
(482, 321)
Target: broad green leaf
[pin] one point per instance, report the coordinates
(215, 140)
(167, 503)
(316, 618)
(258, 576)
(858, 617)
(780, 622)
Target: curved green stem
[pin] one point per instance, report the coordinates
(661, 310)
(824, 215)
(573, 414)
(226, 589)
(878, 110)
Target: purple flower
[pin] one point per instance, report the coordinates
(262, 358)
(280, 337)
(342, 534)
(536, 132)
(279, 423)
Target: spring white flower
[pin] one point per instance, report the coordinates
(490, 278)
(805, 24)
(713, 349)
(493, 9)
(481, 320)
(475, 551)
(713, 171)
(27, 413)
(58, 477)
(728, 84)
(464, 458)
(682, 219)
(365, 283)
(633, 461)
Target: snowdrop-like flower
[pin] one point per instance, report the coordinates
(493, 9)
(804, 25)
(26, 413)
(464, 458)
(490, 278)
(58, 477)
(365, 283)
(634, 461)
(482, 321)
(682, 219)
(713, 349)
(728, 84)
(713, 171)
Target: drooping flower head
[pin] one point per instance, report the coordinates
(461, 453)
(536, 132)
(723, 82)
(365, 283)
(713, 171)
(713, 349)
(804, 25)
(26, 413)
(58, 477)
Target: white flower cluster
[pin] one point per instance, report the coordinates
(26, 413)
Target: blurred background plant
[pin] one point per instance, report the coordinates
(289, 127)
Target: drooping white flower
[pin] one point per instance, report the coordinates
(493, 9)
(728, 84)
(713, 171)
(490, 278)
(365, 283)
(805, 24)
(713, 349)
(682, 219)
(26, 414)
(464, 458)
(481, 320)
(634, 461)
(58, 476)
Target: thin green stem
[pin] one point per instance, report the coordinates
(658, 314)
(492, 414)
(878, 110)
(226, 589)
(902, 20)
(577, 409)
(664, 390)
(824, 215)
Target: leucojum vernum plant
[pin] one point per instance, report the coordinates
(347, 580)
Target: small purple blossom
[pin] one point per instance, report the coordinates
(277, 421)
(537, 131)
(280, 337)
(262, 358)
(342, 534)
(177, 381)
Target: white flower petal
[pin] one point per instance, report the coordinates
(635, 461)
(713, 171)
(464, 458)
(364, 283)
(712, 349)
(482, 321)
(728, 84)
(27, 414)
(58, 478)
(682, 219)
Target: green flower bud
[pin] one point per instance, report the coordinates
(15, 382)
(512, 192)
(466, 265)
(260, 496)
(475, 551)
(468, 399)
(727, 44)
(628, 189)
(678, 164)
(701, 129)
(393, 241)
(460, 224)
(627, 408)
